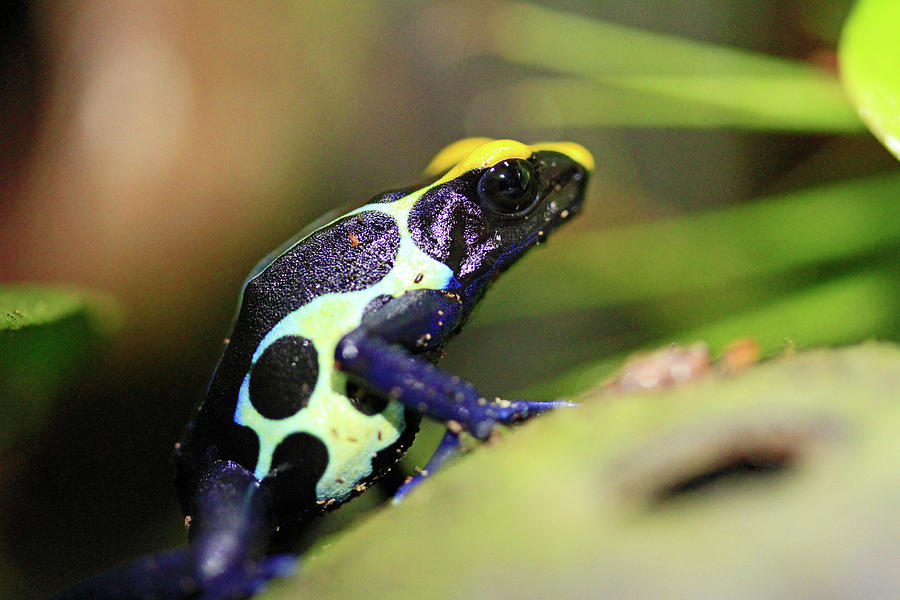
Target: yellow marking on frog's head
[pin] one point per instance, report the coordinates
(478, 153)
(448, 157)
(576, 152)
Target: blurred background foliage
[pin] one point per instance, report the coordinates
(154, 152)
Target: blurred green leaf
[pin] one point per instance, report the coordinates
(617, 75)
(819, 20)
(835, 312)
(747, 102)
(46, 334)
(23, 305)
(775, 482)
(870, 67)
(702, 252)
(545, 37)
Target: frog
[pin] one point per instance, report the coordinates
(331, 362)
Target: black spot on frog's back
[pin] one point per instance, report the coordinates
(240, 444)
(283, 378)
(297, 465)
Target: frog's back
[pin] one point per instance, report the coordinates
(351, 254)
(402, 272)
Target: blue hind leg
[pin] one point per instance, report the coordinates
(231, 526)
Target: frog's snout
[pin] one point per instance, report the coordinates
(565, 190)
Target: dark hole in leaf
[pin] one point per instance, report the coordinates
(716, 455)
(734, 473)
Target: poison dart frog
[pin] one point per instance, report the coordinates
(330, 364)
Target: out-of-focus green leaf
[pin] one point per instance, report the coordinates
(820, 21)
(545, 37)
(777, 482)
(807, 104)
(46, 335)
(765, 238)
(30, 305)
(837, 312)
(625, 76)
(870, 67)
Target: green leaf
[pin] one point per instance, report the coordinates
(46, 337)
(870, 67)
(801, 104)
(23, 305)
(613, 75)
(835, 312)
(703, 252)
(776, 482)
(546, 37)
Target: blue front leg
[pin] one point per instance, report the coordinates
(230, 530)
(418, 384)
(381, 353)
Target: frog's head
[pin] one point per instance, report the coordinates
(493, 200)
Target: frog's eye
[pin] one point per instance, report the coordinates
(509, 187)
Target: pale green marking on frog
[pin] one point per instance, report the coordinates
(351, 437)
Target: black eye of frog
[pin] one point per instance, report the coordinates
(509, 187)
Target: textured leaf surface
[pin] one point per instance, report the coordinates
(777, 482)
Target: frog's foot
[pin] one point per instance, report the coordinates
(225, 560)
(370, 355)
(513, 411)
(448, 447)
(507, 411)
(249, 579)
(174, 575)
